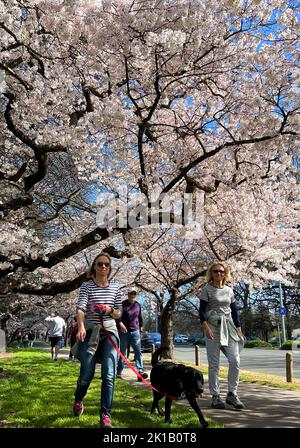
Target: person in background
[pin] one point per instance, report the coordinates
(98, 306)
(31, 338)
(130, 328)
(19, 337)
(56, 330)
(222, 329)
(71, 335)
(25, 340)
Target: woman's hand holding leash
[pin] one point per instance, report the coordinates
(101, 309)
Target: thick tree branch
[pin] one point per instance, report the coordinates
(53, 288)
(37, 148)
(52, 259)
(16, 204)
(215, 151)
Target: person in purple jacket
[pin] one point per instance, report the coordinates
(130, 328)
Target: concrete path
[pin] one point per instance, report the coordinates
(266, 407)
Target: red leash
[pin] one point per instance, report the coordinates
(129, 364)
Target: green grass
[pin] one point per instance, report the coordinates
(269, 380)
(36, 392)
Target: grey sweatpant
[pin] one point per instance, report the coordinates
(213, 357)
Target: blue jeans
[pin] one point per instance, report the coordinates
(134, 339)
(108, 358)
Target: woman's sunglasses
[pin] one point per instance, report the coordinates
(101, 263)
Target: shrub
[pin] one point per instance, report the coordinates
(288, 345)
(200, 341)
(275, 344)
(251, 344)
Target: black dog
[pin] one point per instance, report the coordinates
(175, 381)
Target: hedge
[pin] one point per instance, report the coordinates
(288, 345)
(251, 344)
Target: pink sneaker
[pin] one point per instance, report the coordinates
(105, 421)
(78, 408)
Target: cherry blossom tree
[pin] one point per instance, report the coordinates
(177, 96)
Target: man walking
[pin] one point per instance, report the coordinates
(130, 328)
(72, 331)
(57, 327)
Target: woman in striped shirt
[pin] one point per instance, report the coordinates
(98, 306)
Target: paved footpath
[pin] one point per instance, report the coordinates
(266, 407)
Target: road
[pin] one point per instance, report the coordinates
(259, 360)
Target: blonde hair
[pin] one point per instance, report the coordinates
(91, 271)
(227, 275)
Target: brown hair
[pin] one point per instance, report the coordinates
(91, 272)
(227, 276)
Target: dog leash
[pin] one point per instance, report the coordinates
(107, 334)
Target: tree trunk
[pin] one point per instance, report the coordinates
(167, 325)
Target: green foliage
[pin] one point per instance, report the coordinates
(247, 320)
(288, 345)
(257, 344)
(263, 320)
(275, 344)
(256, 321)
(200, 341)
(36, 392)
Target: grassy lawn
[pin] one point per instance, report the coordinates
(261, 378)
(36, 392)
(269, 380)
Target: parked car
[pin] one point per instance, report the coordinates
(274, 340)
(296, 338)
(150, 339)
(253, 338)
(181, 338)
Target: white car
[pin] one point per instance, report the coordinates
(181, 338)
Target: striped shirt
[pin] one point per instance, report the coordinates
(93, 294)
